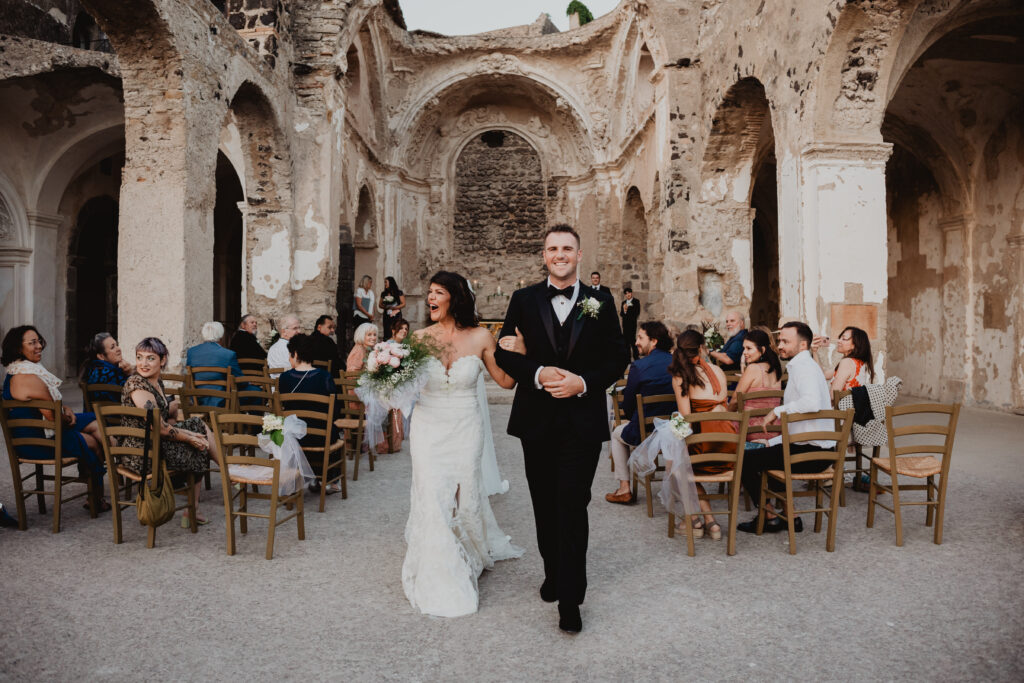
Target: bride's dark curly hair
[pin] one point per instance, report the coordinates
(463, 302)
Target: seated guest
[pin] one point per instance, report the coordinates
(277, 355)
(700, 388)
(400, 331)
(244, 342)
(211, 354)
(184, 446)
(729, 356)
(305, 378)
(27, 380)
(322, 346)
(763, 372)
(806, 392)
(364, 338)
(105, 364)
(856, 368)
(648, 376)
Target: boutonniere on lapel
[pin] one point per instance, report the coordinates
(589, 307)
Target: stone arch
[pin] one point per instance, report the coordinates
(499, 216)
(634, 242)
(72, 158)
(91, 305)
(228, 240)
(366, 238)
(738, 195)
(364, 95)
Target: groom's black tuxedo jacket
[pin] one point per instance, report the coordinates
(593, 348)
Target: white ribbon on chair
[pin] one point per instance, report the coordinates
(295, 469)
(678, 490)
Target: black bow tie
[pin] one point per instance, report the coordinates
(555, 291)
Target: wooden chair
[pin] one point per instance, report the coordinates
(173, 384)
(192, 406)
(731, 453)
(352, 418)
(96, 395)
(323, 455)
(861, 462)
(832, 474)
(325, 364)
(274, 372)
(58, 463)
(645, 420)
(253, 366)
(617, 416)
(238, 433)
(110, 420)
(258, 396)
(757, 431)
(915, 460)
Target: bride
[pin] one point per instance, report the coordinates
(451, 533)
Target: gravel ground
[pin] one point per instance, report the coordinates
(76, 606)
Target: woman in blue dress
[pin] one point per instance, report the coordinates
(27, 380)
(105, 364)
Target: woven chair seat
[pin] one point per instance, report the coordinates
(808, 476)
(260, 475)
(920, 466)
(714, 478)
(49, 461)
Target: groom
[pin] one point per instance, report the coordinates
(574, 351)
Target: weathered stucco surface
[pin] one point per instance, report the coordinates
(792, 159)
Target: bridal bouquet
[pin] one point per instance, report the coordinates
(394, 375)
(712, 337)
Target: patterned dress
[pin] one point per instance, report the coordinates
(103, 372)
(176, 454)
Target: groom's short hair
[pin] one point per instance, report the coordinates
(563, 227)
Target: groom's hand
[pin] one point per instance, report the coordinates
(566, 386)
(549, 373)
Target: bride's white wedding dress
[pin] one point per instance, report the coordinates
(451, 533)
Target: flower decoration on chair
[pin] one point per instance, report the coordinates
(273, 426)
(712, 337)
(589, 307)
(679, 427)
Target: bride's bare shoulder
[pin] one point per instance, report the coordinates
(425, 332)
(483, 338)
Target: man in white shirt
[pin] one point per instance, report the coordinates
(277, 355)
(806, 392)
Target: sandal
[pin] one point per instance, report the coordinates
(714, 531)
(698, 528)
(333, 488)
(199, 521)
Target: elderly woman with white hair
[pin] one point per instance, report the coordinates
(210, 354)
(364, 338)
(277, 355)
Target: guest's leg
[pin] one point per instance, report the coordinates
(754, 464)
(620, 456)
(575, 466)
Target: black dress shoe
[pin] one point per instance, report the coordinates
(569, 619)
(5, 519)
(771, 526)
(548, 592)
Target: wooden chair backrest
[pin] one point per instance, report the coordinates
(838, 396)
(901, 446)
(191, 407)
(42, 422)
(238, 432)
(843, 420)
(646, 414)
(173, 384)
(110, 420)
(733, 443)
(222, 381)
(617, 398)
(253, 366)
(741, 399)
(274, 372)
(256, 387)
(325, 364)
(318, 422)
(92, 398)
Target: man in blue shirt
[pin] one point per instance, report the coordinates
(211, 354)
(728, 357)
(648, 376)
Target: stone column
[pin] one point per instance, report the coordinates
(1015, 245)
(957, 321)
(39, 297)
(844, 279)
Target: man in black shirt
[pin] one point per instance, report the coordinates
(322, 347)
(244, 342)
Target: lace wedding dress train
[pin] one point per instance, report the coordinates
(451, 533)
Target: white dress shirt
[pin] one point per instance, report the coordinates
(278, 356)
(806, 392)
(562, 307)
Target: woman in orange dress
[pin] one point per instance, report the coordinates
(856, 368)
(701, 388)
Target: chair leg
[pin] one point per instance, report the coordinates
(940, 509)
(344, 475)
(734, 507)
(193, 516)
(647, 495)
(355, 465)
(115, 507)
(58, 483)
(206, 479)
(300, 518)
(896, 508)
(930, 509)
(243, 506)
(818, 502)
(272, 522)
(791, 516)
(842, 491)
(371, 457)
(872, 492)
(761, 513)
(40, 497)
(229, 519)
(90, 486)
(323, 482)
(830, 540)
(635, 488)
(671, 525)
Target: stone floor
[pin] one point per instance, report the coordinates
(331, 607)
